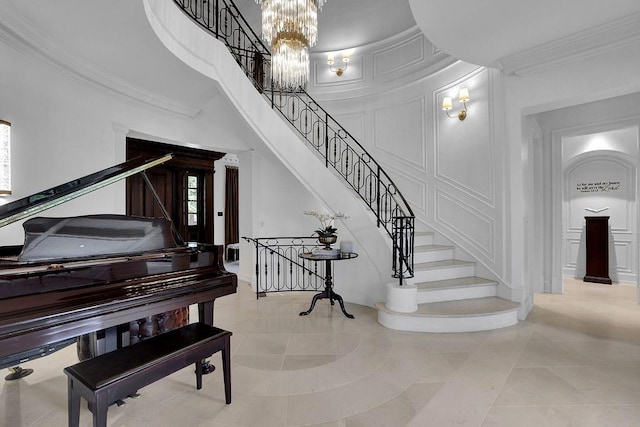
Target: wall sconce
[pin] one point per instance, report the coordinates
(5, 158)
(341, 70)
(447, 104)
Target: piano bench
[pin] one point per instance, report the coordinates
(105, 379)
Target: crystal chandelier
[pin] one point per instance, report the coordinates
(291, 28)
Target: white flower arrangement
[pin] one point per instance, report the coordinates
(326, 222)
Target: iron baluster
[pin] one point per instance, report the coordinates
(217, 16)
(257, 272)
(326, 140)
(266, 274)
(378, 183)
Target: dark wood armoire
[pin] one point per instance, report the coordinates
(597, 242)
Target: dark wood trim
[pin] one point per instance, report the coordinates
(172, 175)
(184, 157)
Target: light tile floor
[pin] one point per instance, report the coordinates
(575, 361)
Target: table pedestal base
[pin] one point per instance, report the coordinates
(328, 283)
(332, 296)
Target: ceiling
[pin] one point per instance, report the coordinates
(475, 31)
(483, 32)
(112, 42)
(344, 24)
(109, 42)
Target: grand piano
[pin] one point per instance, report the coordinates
(89, 275)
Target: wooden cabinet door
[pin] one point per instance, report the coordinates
(140, 199)
(170, 183)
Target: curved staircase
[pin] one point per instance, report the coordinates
(450, 297)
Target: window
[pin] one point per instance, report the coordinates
(192, 200)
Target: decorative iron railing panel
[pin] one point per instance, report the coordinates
(334, 144)
(279, 267)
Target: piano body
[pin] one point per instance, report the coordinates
(79, 275)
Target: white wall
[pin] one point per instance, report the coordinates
(272, 204)
(64, 128)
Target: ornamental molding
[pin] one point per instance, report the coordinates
(16, 36)
(583, 44)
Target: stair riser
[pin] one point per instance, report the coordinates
(407, 322)
(430, 256)
(456, 294)
(423, 240)
(444, 273)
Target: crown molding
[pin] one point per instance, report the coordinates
(17, 37)
(583, 44)
(373, 46)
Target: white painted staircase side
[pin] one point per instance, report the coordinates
(449, 296)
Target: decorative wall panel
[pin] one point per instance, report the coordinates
(473, 172)
(398, 131)
(623, 253)
(353, 123)
(400, 56)
(468, 223)
(573, 252)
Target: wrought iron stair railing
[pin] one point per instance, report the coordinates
(279, 267)
(335, 145)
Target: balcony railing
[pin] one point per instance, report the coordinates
(337, 148)
(279, 267)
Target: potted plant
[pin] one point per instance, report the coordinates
(327, 233)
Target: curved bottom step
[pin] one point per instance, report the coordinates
(479, 314)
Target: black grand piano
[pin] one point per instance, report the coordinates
(90, 275)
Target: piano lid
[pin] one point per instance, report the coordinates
(31, 205)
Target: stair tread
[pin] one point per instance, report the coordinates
(442, 264)
(462, 282)
(468, 307)
(427, 248)
(462, 308)
(424, 233)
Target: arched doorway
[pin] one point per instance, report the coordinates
(592, 170)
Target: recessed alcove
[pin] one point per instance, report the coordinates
(586, 163)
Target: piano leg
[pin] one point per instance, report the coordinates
(17, 372)
(205, 315)
(205, 312)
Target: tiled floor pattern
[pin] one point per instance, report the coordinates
(575, 361)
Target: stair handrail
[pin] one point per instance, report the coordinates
(335, 144)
